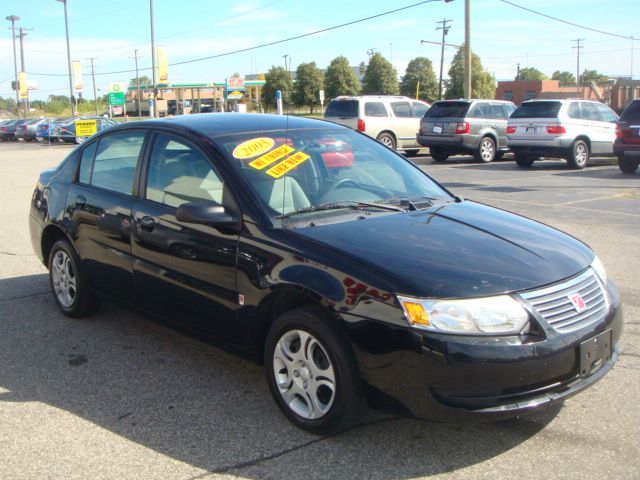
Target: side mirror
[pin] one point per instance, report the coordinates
(206, 213)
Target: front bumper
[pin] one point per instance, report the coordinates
(456, 378)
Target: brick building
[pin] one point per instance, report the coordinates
(519, 91)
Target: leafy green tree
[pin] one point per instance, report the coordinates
(420, 69)
(531, 73)
(340, 79)
(144, 80)
(277, 78)
(7, 104)
(381, 77)
(589, 75)
(563, 77)
(309, 80)
(483, 84)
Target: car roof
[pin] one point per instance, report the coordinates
(375, 97)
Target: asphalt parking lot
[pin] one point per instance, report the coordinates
(118, 396)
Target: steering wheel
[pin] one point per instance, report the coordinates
(345, 182)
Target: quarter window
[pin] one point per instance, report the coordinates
(114, 166)
(401, 109)
(419, 109)
(574, 110)
(375, 109)
(178, 173)
(588, 111)
(606, 113)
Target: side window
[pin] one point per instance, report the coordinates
(86, 163)
(497, 111)
(178, 173)
(401, 109)
(480, 110)
(419, 109)
(574, 110)
(606, 113)
(114, 167)
(589, 111)
(375, 109)
(509, 109)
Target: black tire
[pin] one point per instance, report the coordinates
(523, 161)
(438, 155)
(82, 301)
(346, 404)
(627, 165)
(486, 151)
(578, 156)
(412, 152)
(387, 139)
(499, 156)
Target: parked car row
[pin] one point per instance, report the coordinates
(486, 129)
(48, 129)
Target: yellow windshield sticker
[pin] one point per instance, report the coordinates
(253, 148)
(272, 156)
(287, 164)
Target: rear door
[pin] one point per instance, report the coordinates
(99, 207)
(443, 117)
(343, 111)
(529, 120)
(405, 124)
(608, 125)
(185, 272)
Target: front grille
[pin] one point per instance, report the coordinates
(555, 306)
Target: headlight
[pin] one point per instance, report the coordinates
(481, 316)
(599, 269)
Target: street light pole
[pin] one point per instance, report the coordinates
(467, 49)
(93, 78)
(153, 62)
(13, 19)
(135, 57)
(66, 27)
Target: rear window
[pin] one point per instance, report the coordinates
(342, 108)
(448, 109)
(537, 110)
(632, 112)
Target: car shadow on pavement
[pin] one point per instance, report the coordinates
(203, 406)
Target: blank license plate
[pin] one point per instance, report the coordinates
(437, 129)
(594, 353)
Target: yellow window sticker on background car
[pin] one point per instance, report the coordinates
(287, 164)
(272, 156)
(253, 148)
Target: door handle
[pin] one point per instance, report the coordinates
(147, 223)
(80, 201)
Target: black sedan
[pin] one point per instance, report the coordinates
(342, 266)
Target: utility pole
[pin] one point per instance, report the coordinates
(13, 19)
(445, 31)
(467, 49)
(25, 102)
(518, 74)
(285, 56)
(66, 27)
(153, 62)
(93, 78)
(135, 57)
(578, 47)
(370, 52)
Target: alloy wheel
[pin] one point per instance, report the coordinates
(64, 279)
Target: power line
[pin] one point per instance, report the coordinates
(269, 44)
(566, 21)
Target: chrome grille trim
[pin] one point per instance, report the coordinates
(553, 303)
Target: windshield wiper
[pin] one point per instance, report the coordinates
(338, 205)
(413, 202)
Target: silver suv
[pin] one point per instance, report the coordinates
(570, 129)
(452, 127)
(392, 120)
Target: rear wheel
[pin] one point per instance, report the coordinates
(486, 151)
(628, 165)
(411, 152)
(312, 371)
(438, 155)
(388, 140)
(578, 155)
(523, 160)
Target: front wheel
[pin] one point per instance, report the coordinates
(523, 161)
(312, 372)
(79, 140)
(387, 139)
(627, 165)
(486, 151)
(578, 155)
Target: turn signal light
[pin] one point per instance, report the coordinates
(416, 313)
(556, 129)
(462, 128)
(361, 125)
(511, 129)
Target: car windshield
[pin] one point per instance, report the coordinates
(537, 110)
(448, 109)
(298, 171)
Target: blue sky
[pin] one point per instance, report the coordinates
(501, 34)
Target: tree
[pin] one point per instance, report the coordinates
(144, 80)
(563, 77)
(483, 84)
(340, 79)
(381, 78)
(309, 80)
(420, 69)
(589, 75)
(531, 73)
(277, 78)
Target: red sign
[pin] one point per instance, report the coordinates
(578, 303)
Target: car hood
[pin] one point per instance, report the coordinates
(460, 249)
